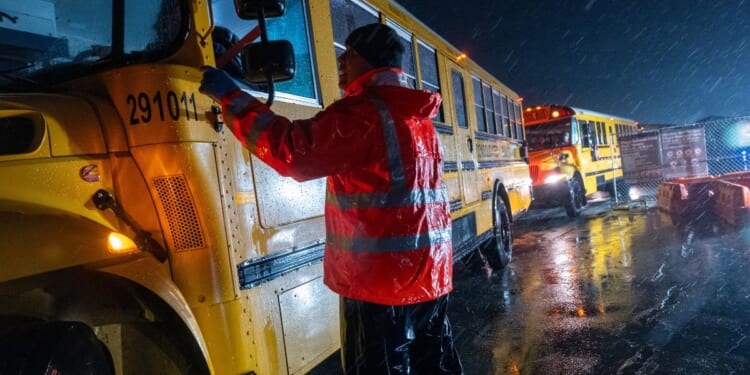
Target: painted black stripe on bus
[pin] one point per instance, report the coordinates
(486, 195)
(443, 129)
(464, 229)
(495, 137)
(262, 270)
(465, 248)
(468, 165)
(599, 172)
(487, 164)
(450, 166)
(456, 205)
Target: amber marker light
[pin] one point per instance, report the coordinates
(461, 57)
(118, 243)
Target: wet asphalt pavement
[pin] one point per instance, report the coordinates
(621, 291)
(615, 291)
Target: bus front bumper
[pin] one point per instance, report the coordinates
(551, 195)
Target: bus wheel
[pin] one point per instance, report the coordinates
(576, 198)
(53, 348)
(499, 249)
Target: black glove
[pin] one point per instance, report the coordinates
(217, 83)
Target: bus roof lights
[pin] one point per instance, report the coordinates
(558, 112)
(461, 57)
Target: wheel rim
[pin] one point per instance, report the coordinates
(577, 201)
(501, 227)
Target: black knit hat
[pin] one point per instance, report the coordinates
(378, 44)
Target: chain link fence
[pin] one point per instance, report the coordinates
(708, 148)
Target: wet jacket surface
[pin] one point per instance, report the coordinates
(387, 214)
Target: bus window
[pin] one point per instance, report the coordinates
(459, 99)
(429, 72)
(574, 138)
(585, 133)
(146, 32)
(519, 122)
(303, 86)
(349, 16)
(408, 63)
(506, 119)
(489, 115)
(511, 117)
(479, 105)
(498, 112)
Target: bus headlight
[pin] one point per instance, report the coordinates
(555, 178)
(118, 243)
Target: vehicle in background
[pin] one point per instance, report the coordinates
(573, 153)
(133, 225)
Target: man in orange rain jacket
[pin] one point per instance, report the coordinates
(388, 242)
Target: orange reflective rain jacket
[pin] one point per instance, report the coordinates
(387, 215)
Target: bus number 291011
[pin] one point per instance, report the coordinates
(143, 109)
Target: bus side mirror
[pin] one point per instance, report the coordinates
(273, 57)
(251, 9)
(525, 151)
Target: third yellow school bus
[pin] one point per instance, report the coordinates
(573, 153)
(135, 215)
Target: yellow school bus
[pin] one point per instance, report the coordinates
(136, 232)
(573, 153)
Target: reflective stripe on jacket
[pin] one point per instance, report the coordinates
(388, 225)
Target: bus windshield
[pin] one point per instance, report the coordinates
(549, 135)
(52, 40)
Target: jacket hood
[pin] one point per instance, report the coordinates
(411, 102)
(393, 83)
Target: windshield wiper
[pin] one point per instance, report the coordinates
(8, 16)
(9, 75)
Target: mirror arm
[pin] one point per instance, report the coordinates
(264, 40)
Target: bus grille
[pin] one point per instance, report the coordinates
(179, 208)
(534, 172)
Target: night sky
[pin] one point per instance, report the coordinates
(657, 62)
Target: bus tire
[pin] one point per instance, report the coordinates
(55, 347)
(576, 198)
(499, 249)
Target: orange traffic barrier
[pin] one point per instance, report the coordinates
(726, 196)
(671, 196)
(731, 202)
(684, 196)
(740, 178)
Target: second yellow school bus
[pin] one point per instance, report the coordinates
(573, 153)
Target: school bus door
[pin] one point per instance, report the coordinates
(464, 138)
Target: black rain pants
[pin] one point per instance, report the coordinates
(410, 339)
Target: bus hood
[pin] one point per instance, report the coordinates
(58, 125)
(545, 158)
